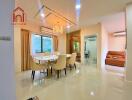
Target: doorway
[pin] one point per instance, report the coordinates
(73, 43)
(90, 51)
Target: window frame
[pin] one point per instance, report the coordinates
(41, 37)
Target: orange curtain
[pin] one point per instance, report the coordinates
(55, 43)
(25, 49)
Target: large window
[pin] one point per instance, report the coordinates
(41, 44)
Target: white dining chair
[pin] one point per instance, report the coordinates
(35, 66)
(47, 54)
(72, 60)
(56, 53)
(60, 64)
(42, 54)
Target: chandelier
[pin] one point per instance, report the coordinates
(58, 28)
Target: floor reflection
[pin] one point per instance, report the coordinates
(84, 83)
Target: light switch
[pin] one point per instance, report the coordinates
(5, 38)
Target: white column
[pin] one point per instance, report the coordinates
(7, 73)
(129, 42)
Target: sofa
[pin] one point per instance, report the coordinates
(115, 58)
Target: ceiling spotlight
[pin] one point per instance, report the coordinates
(78, 6)
(68, 26)
(42, 15)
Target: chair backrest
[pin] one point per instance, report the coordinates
(35, 65)
(38, 54)
(32, 62)
(61, 62)
(56, 53)
(42, 54)
(72, 59)
(46, 54)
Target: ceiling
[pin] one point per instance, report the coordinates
(91, 12)
(114, 23)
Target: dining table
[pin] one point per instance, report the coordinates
(48, 59)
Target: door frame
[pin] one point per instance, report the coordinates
(92, 35)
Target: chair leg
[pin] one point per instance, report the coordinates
(75, 65)
(33, 74)
(47, 72)
(51, 70)
(70, 67)
(58, 72)
(65, 71)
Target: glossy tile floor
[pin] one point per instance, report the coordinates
(117, 69)
(84, 83)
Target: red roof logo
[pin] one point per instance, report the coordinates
(19, 16)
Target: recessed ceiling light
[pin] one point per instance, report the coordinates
(78, 6)
(68, 26)
(42, 15)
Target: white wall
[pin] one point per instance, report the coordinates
(7, 77)
(117, 43)
(129, 42)
(62, 43)
(88, 31)
(32, 27)
(17, 48)
(102, 42)
(104, 47)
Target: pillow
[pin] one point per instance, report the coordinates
(115, 57)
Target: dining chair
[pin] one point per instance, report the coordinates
(42, 54)
(60, 64)
(35, 66)
(46, 53)
(51, 62)
(39, 54)
(72, 60)
(56, 53)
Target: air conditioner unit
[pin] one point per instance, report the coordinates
(120, 34)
